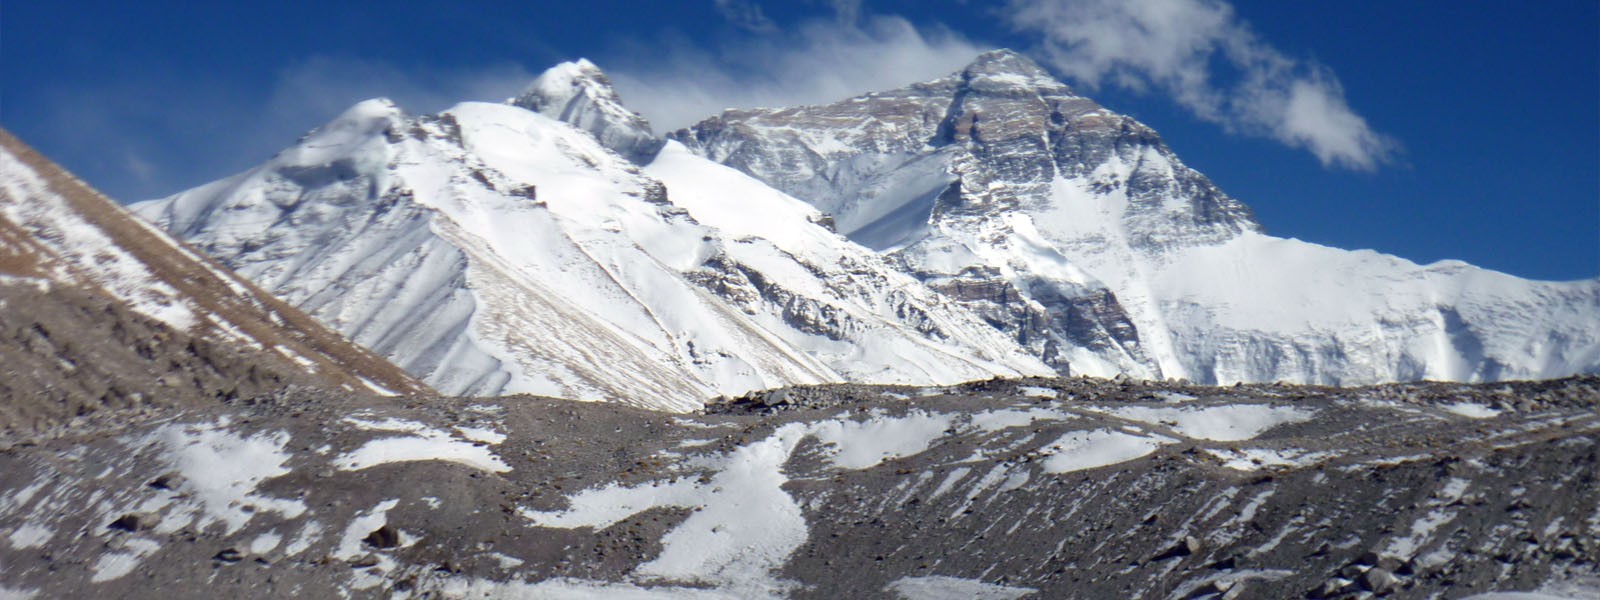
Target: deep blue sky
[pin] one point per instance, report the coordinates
(1494, 106)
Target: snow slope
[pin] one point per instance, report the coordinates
(1077, 231)
(490, 249)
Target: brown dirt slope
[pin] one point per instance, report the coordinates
(67, 353)
(234, 316)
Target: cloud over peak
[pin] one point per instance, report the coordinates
(1201, 54)
(820, 61)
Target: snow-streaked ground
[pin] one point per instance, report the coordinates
(933, 492)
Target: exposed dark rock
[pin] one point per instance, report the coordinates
(1188, 546)
(1379, 581)
(383, 537)
(129, 523)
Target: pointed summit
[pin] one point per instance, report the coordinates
(1005, 60)
(999, 70)
(580, 94)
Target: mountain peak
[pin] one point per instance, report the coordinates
(1006, 59)
(580, 94)
(1006, 68)
(562, 82)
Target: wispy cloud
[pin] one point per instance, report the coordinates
(164, 134)
(845, 11)
(746, 14)
(316, 90)
(820, 61)
(1209, 61)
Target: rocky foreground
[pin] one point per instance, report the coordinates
(1040, 488)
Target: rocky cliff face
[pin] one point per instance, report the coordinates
(1079, 233)
(490, 249)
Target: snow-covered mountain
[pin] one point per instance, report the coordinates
(492, 249)
(994, 222)
(78, 271)
(1079, 233)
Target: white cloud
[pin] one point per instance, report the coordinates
(1210, 62)
(823, 61)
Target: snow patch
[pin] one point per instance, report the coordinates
(303, 540)
(743, 528)
(939, 587)
(387, 424)
(378, 389)
(575, 589)
(1252, 459)
(950, 480)
(30, 535)
(362, 526)
(1421, 531)
(1082, 450)
(265, 543)
(1173, 397)
(865, 444)
(507, 562)
(1472, 410)
(1036, 392)
(481, 434)
(222, 469)
(990, 421)
(1227, 423)
(117, 564)
(425, 444)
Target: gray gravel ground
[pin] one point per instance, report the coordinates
(1046, 488)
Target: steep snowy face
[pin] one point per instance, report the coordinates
(879, 162)
(1078, 232)
(493, 250)
(56, 230)
(946, 177)
(322, 226)
(580, 94)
